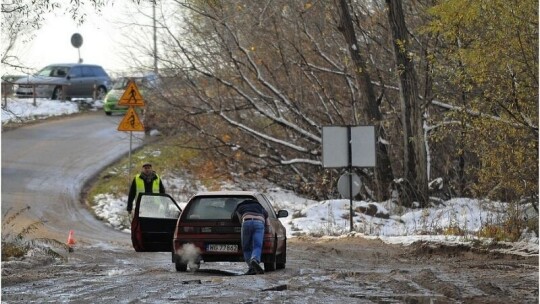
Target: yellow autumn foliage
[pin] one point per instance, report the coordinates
(490, 56)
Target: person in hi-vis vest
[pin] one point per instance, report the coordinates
(146, 181)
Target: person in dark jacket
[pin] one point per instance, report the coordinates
(253, 217)
(146, 181)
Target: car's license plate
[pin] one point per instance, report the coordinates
(222, 247)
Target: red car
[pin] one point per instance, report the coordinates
(204, 230)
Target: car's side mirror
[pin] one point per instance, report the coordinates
(282, 213)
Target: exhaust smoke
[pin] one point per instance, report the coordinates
(190, 255)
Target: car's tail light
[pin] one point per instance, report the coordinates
(268, 243)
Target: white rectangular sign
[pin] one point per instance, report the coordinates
(336, 146)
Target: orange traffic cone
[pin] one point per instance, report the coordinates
(70, 241)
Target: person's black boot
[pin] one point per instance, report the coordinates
(255, 266)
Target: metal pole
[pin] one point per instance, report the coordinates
(349, 155)
(129, 156)
(155, 36)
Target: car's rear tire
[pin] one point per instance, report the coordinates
(58, 93)
(282, 258)
(108, 113)
(179, 266)
(270, 266)
(100, 93)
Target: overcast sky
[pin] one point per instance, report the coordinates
(103, 39)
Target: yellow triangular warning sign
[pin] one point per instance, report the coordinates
(131, 122)
(131, 96)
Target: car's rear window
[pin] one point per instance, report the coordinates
(212, 207)
(99, 72)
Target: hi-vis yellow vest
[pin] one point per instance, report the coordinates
(139, 182)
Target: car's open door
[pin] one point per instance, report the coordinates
(154, 221)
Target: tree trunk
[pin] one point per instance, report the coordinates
(369, 108)
(415, 163)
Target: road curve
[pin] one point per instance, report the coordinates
(46, 165)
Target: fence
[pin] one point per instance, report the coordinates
(7, 90)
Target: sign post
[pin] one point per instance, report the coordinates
(77, 41)
(348, 147)
(131, 122)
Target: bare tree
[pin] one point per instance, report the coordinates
(22, 18)
(368, 100)
(273, 75)
(412, 107)
(271, 91)
(252, 84)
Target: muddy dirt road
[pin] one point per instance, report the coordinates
(349, 270)
(45, 166)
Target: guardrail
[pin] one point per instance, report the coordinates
(8, 87)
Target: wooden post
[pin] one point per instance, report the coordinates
(4, 93)
(34, 93)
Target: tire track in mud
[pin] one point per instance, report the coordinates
(362, 274)
(477, 276)
(350, 270)
(386, 273)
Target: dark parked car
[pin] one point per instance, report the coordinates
(64, 81)
(204, 227)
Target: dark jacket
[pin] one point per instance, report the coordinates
(251, 207)
(148, 181)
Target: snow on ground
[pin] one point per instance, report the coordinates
(388, 221)
(24, 110)
(330, 219)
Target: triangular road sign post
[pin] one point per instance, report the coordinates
(131, 96)
(131, 122)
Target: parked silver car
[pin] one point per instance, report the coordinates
(64, 81)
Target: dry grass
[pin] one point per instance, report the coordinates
(16, 243)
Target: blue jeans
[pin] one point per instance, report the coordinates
(252, 240)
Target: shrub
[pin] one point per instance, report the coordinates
(16, 244)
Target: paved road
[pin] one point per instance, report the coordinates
(45, 166)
